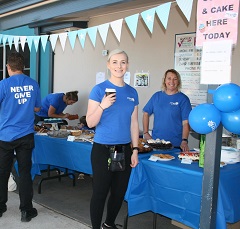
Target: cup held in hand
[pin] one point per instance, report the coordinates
(109, 91)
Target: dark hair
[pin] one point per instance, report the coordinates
(16, 61)
(178, 77)
(83, 120)
(72, 95)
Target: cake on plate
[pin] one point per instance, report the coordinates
(160, 144)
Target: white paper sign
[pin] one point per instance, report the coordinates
(216, 62)
(100, 77)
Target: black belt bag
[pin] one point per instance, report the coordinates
(116, 160)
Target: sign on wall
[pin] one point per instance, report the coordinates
(217, 20)
(188, 63)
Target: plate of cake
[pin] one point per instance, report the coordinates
(160, 144)
(190, 155)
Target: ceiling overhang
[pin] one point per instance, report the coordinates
(46, 13)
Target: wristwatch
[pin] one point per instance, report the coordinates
(185, 139)
(135, 148)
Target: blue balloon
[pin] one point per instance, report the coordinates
(231, 121)
(204, 118)
(226, 98)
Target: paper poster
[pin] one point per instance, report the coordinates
(217, 20)
(100, 77)
(127, 77)
(216, 62)
(141, 79)
(188, 63)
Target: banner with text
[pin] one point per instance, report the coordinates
(217, 20)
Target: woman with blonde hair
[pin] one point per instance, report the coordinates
(171, 109)
(115, 117)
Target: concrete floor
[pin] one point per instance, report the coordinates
(60, 204)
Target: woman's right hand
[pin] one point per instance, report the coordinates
(108, 101)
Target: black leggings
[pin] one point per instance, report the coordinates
(105, 180)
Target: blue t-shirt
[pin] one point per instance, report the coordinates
(19, 94)
(169, 112)
(114, 126)
(55, 100)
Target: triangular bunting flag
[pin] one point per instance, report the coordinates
(72, 38)
(4, 39)
(23, 41)
(36, 42)
(44, 39)
(53, 40)
(163, 13)
(148, 18)
(10, 41)
(29, 41)
(103, 31)
(132, 22)
(186, 7)
(117, 28)
(63, 38)
(92, 33)
(1, 38)
(82, 36)
(16, 40)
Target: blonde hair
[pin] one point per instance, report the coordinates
(116, 51)
(164, 87)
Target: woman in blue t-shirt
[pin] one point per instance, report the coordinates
(54, 104)
(115, 117)
(171, 109)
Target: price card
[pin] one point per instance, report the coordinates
(186, 161)
(71, 138)
(153, 158)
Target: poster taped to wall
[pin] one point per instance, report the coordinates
(188, 63)
(141, 79)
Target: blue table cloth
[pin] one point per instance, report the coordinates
(61, 153)
(173, 189)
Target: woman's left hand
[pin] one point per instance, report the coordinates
(134, 160)
(184, 146)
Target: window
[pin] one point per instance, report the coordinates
(5, 51)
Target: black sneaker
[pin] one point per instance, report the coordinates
(2, 211)
(28, 215)
(105, 226)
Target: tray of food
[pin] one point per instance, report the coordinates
(163, 157)
(143, 146)
(159, 144)
(58, 134)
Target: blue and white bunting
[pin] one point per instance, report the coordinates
(92, 33)
(132, 23)
(72, 38)
(23, 41)
(16, 42)
(163, 13)
(36, 42)
(63, 38)
(10, 41)
(82, 36)
(53, 40)
(44, 39)
(4, 39)
(186, 7)
(29, 41)
(103, 31)
(117, 28)
(148, 17)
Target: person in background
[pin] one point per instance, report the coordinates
(19, 99)
(54, 104)
(171, 109)
(116, 119)
(83, 124)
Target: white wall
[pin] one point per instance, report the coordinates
(76, 69)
